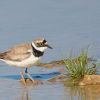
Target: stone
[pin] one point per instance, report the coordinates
(90, 80)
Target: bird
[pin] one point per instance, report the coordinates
(25, 55)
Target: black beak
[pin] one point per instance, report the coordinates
(49, 47)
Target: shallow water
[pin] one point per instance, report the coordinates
(68, 25)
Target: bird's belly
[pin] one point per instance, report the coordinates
(24, 63)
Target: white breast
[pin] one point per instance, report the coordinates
(24, 63)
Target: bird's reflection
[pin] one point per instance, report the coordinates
(25, 95)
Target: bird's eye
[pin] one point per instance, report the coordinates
(40, 44)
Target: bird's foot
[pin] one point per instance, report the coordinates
(28, 81)
(34, 82)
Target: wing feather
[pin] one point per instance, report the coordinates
(17, 53)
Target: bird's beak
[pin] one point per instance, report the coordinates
(49, 47)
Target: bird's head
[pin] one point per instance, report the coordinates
(40, 44)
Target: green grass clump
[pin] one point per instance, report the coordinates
(78, 67)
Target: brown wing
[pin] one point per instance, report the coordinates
(17, 53)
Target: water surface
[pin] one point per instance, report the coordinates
(68, 25)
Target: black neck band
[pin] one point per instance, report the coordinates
(37, 53)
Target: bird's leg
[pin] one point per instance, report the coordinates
(26, 70)
(29, 75)
(22, 76)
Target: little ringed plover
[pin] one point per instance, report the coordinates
(25, 55)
